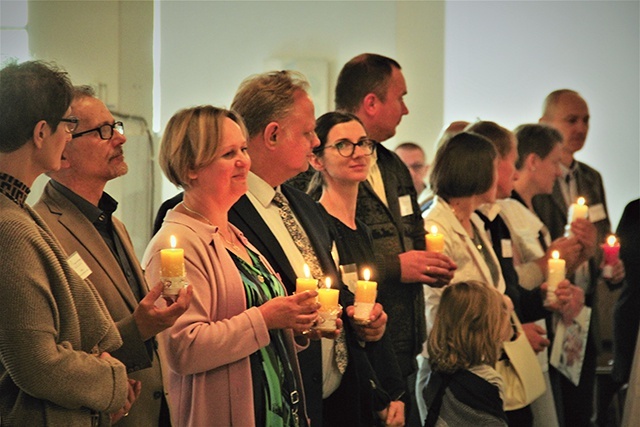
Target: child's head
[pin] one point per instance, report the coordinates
(471, 323)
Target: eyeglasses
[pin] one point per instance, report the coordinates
(346, 148)
(105, 131)
(70, 123)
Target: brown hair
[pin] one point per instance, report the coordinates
(467, 328)
(364, 74)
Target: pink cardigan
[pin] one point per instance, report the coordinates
(207, 350)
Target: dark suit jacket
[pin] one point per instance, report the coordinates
(351, 402)
(552, 210)
(77, 234)
(627, 312)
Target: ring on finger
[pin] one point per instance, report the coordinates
(428, 268)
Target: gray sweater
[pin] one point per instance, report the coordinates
(53, 327)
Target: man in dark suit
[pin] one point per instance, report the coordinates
(79, 213)
(567, 111)
(373, 88)
(279, 115)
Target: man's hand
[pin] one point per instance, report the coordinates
(587, 235)
(535, 335)
(570, 300)
(617, 272)
(151, 319)
(432, 268)
(374, 330)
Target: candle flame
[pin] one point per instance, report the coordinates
(327, 282)
(581, 201)
(611, 240)
(434, 229)
(555, 255)
(173, 241)
(366, 274)
(307, 272)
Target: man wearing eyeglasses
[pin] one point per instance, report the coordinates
(79, 213)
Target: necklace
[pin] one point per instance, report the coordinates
(227, 241)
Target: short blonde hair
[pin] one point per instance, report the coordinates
(468, 327)
(191, 140)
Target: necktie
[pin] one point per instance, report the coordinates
(304, 246)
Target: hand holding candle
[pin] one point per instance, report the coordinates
(576, 210)
(435, 240)
(365, 298)
(556, 274)
(329, 308)
(611, 250)
(172, 269)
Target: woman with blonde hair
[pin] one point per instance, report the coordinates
(231, 356)
(464, 346)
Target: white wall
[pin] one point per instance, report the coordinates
(503, 58)
(208, 48)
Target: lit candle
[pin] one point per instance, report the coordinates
(435, 240)
(306, 283)
(556, 273)
(576, 210)
(172, 269)
(172, 260)
(365, 297)
(328, 311)
(327, 297)
(611, 250)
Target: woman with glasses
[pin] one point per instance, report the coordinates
(55, 331)
(342, 162)
(231, 357)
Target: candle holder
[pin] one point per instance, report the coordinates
(362, 312)
(172, 285)
(327, 319)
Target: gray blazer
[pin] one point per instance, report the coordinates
(76, 234)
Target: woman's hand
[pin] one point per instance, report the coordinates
(393, 415)
(132, 395)
(374, 330)
(298, 312)
(569, 249)
(587, 235)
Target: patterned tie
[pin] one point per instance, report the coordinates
(304, 246)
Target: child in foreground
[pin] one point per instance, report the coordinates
(464, 346)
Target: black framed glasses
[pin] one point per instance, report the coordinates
(105, 131)
(70, 123)
(346, 148)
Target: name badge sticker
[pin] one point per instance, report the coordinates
(507, 249)
(78, 265)
(597, 213)
(406, 208)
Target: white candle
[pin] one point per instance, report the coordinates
(365, 297)
(576, 210)
(556, 274)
